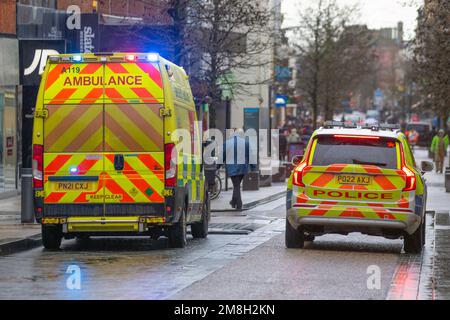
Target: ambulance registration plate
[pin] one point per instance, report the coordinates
(83, 186)
(354, 179)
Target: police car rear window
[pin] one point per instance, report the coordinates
(341, 149)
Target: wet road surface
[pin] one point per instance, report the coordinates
(225, 266)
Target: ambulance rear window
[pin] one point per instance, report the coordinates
(341, 149)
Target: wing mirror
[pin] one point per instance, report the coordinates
(427, 166)
(296, 160)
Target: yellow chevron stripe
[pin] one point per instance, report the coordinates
(135, 132)
(147, 82)
(93, 140)
(112, 140)
(76, 128)
(149, 176)
(56, 115)
(81, 91)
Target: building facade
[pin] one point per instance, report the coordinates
(9, 100)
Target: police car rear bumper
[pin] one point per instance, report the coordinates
(409, 223)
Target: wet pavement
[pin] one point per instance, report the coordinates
(228, 266)
(232, 264)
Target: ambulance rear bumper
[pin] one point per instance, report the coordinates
(110, 224)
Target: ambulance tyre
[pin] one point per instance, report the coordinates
(200, 229)
(413, 243)
(294, 239)
(51, 237)
(177, 233)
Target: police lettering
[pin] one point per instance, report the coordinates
(116, 80)
(354, 195)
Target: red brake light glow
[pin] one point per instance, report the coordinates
(298, 174)
(410, 175)
(410, 179)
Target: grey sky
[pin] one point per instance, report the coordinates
(375, 13)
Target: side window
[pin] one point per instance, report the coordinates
(409, 154)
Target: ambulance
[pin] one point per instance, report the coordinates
(105, 160)
(357, 179)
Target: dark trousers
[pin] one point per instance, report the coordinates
(237, 200)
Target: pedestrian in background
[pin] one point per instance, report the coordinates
(238, 166)
(439, 147)
(413, 138)
(293, 137)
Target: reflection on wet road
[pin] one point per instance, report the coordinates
(224, 266)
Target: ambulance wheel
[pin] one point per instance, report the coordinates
(177, 233)
(51, 237)
(200, 229)
(294, 239)
(413, 243)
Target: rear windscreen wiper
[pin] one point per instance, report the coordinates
(379, 164)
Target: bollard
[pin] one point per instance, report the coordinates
(447, 179)
(251, 181)
(279, 174)
(27, 207)
(210, 174)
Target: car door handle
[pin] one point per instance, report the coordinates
(119, 162)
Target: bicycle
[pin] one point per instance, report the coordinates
(216, 188)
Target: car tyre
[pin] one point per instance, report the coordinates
(200, 229)
(177, 232)
(51, 237)
(413, 243)
(294, 239)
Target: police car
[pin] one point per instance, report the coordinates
(357, 179)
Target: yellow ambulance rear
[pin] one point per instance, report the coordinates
(104, 162)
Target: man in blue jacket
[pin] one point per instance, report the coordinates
(239, 159)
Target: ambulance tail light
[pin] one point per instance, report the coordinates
(410, 179)
(170, 163)
(38, 153)
(298, 174)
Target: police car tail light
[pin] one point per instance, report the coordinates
(410, 179)
(170, 164)
(298, 175)
(38, 152)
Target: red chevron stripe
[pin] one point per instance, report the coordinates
(152, 71)
(54, 197)
(57, 164)
(54, 74)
